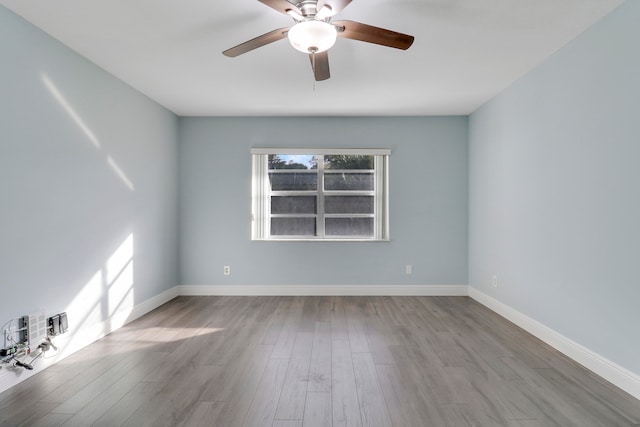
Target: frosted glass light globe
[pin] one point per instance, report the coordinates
(312, 36)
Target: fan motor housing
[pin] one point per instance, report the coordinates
(308, 8)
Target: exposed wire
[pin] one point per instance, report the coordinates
(38, 356)
(22, 364)
(8, 332)
(45, 347)
(18, 354)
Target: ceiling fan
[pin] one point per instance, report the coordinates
(314, 34)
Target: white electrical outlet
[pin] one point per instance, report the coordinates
(408, 269)
(227, 270)
(494, 281)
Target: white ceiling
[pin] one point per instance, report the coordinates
(465, 52)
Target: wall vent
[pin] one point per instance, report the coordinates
(37, 328)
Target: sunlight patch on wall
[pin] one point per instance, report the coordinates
(119, 278)
(107, 298)
(112, 163)
(73, 114)
(70, 111)
(86, 306)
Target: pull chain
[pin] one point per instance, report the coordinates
(313, 65)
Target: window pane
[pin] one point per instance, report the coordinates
(348, 162)
(349, 227)
(293, 181)
(348, 181)
(293, 161)
(348, 204)
(293, 226)
(293, 205)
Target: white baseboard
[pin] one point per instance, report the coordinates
(325, 290)
(612, 372)
(152, 303)
(77, 340)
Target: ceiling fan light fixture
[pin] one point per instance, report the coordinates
(312, 36)
(325, 12)
(295, 15)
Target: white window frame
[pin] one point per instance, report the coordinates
(261, 194)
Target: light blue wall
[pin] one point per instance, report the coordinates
(549, 174)
(73, 141)
(555, 191)
(428, 203)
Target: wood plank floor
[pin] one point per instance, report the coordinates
(318, 361)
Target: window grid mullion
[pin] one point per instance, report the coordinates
(296, 215)
(294, 193)
(349, 193)
(350, 215)
(287, 171)
(353, 171)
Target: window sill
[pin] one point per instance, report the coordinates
(310, 239)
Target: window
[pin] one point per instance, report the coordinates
(338, 194)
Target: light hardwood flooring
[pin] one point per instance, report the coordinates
(318, 361)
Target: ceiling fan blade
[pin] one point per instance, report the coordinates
(335, 5)
(281, 6)
(257, 42)
(370, 34)
(320, 65)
